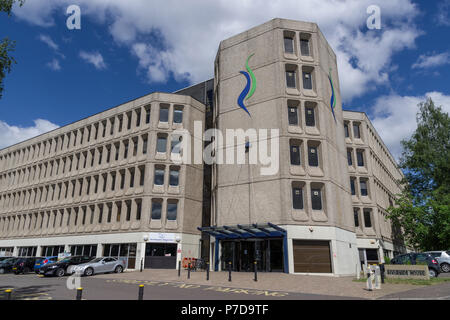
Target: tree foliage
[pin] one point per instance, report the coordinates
(6, 45)
(423, 209)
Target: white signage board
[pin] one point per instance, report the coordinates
(161, 237)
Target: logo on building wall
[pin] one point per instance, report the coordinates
(333, 95)
(250, 88)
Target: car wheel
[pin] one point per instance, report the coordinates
(60, 272)
(445, 267)
(89, 272)
(118, 269)
(433, 273)
(2, 270)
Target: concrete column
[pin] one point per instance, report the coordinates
(140, 254)
(99, 250)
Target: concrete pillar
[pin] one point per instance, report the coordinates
(99, 250)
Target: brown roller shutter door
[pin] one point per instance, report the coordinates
(312, 256)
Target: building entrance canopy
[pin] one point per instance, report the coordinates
(241, 231)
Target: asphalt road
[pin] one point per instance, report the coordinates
(32, 287)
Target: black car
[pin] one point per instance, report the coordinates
(7, 265)
(417, 258)
(24, 265)
(59, 268)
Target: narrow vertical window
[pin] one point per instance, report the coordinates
(313, 157)
(310, 117)
(316, 199)
(288, 45)
(295, 155)
(297, 198)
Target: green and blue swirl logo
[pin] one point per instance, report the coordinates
(250, 88)
(333, 96)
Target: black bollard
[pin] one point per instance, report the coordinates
(79, 293)
(382, 272)
(229, 271)
(8, 294)
(207, 271)
(189, 270)
(179, 269)
(141, 292)
(256, 271)
(142, 264)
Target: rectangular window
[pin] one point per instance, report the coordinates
(111, 131)
(147, 115)
(122, 180)
(178, 114)
(313, 157)
(156, 210)
(131, 177)
(310, 117)
(304, 47)
(159, 176)
(174, 177)
(290, 79)
(129, 115)
(347, 134)
(297, 198)
(356, 217)
(125, 151)
(288, 45)
(128, 205)
(360, 158)
(367, 219)
(356, 132)
(363, 184)
(295, 155)
(138, 209)
(144, 144)
(119, 211)
(142, 175)
(307, 80)
(172, 211)
(349, 157)
(293, 116)
(164, 113)
(161, 144)
(352, 186)
(138, 118)
(316, 199)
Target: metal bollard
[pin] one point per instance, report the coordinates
(189, 270)
(79, 293)
(256, 270)
(142, 264)
(179, 269)
(382, 272)
(229, 271)
(141, 292)
(8, 294)
(207, 271)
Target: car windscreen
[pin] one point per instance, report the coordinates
(96, 260)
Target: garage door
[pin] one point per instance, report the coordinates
(312, 256)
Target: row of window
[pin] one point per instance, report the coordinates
(298, 196)
(295, 147)
(310, 114)
(367, 216)
(356, 130)
(360, 157)
(88, 215)
(89, 134)
(363, 186)
(291, 46)
(293, 80)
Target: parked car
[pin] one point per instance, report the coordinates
(443, 258)
(59, 268)
(98, 265)
(4, 258)
(415, 258)
(24, 265)
(7, 265)
(44, 261)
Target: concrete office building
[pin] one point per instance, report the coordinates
(106, 186)
(56, 192)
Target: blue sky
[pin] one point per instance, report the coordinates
(126, 49)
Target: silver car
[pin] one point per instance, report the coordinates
(98, 265)
(443, 258)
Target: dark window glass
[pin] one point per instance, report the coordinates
(363, 185)
(164, 114)
(352, 186)
(349, 157)
(356, 132)
(360, 156)
(316, 199)
(295, 155)
(304, 47)
(138, 118)
(172, 211)
(159, 177)
(297, 198)
(313, 157)
(288, 45)
(309, 117)
(178, 115)
(367, 219)
(142, 178)
(147, 116)
(156, 210)
(307, 80)
(138, 210)
(290, 79)
(346, 130)
(174, 177)
(161, 145)
(144, 144)
(356, 217)
(293, 116)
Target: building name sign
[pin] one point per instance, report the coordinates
(161, 237)
(407, 271)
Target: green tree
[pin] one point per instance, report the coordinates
(423, 209)
(6, 45)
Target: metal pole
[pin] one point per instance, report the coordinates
(189, 270)
(141, 292)
(179, 268)
(79, 293)
(142, 264)
(256, 270)
(8, 294)
(229, 271)
(207, 271)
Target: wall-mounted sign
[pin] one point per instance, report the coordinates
(161, 237)
(407, 271)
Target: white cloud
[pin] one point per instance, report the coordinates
(433, 60)
(48, 41)
(394, 117)
(54, 65)
(10, 135)
(94, 58)
(443, 15)
(192, 30)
